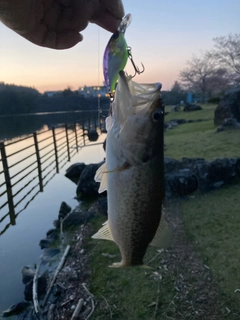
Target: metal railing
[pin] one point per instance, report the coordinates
(29, 163)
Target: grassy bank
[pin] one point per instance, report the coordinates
(199, 139)
(127, 293)
(212, 223)
(198, 277)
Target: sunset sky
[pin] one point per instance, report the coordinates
(163, 35)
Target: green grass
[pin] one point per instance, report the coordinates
(212, 223)
(206, 113)
(199, 139)
(126, 293)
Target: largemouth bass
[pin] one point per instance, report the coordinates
(133, 173)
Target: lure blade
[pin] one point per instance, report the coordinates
(125, 23)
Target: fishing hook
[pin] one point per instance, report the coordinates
(136, 69)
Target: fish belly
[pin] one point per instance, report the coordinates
(134, 208)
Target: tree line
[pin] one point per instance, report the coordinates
(17, 99)
(20, 100)
(207, 75)
(211, 73)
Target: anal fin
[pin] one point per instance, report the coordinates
(104, 233)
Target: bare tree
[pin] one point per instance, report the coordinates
(227, 52)
(203, 76)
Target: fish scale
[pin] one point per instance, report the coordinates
(133, 174)
(135, 221)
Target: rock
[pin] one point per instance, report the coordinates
(42, 288)
(75, 219)
(175, 108)
(92, 135)
(238, 167)
(74, 171)
(180, 121)
(53, 234)
(49, 253)
(191, 107)
(16, 309)
(171, 164)
(27, 274)
(174, 123)
(28, 314)
(45, 243)
(182, 178)
(87, 186)
(28, 291)
(180, 183)
(102, 205)
(190, 162)
(229, 123)
(70, 273)
(229, 107)
(64, 210)
(212, 175)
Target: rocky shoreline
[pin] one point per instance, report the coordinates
(182, 178)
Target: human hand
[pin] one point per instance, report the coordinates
(56, 23)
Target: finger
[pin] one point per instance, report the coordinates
(52, 15)
(45, 37)
(75, 17)
(61, 40)
(114, 7)
(106, 21)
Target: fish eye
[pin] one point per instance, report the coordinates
(156, 115)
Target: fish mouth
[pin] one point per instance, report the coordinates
(148, 90)
(134, 99)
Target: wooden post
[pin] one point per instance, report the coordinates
(55, 148)
(75, 130)
(38, 162)
(100, 123)
(83, 132)
(68, 150)
(95, 123)
(8, 184)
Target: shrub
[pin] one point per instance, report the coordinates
(215, 100)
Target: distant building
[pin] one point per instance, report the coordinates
(94, 91)
(189, 97)
(52, 93)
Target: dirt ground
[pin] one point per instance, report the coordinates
(197, 294)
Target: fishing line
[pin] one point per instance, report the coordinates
(99, 95)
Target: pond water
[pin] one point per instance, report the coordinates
(19, 244)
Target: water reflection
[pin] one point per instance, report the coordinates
(19, 245)
(16, 126)
(28, 164)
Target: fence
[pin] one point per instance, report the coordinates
(29, 163)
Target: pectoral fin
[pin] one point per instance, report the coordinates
(104, 233)
(101, 176)
(163, 235)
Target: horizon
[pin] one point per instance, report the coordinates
(162, 36)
